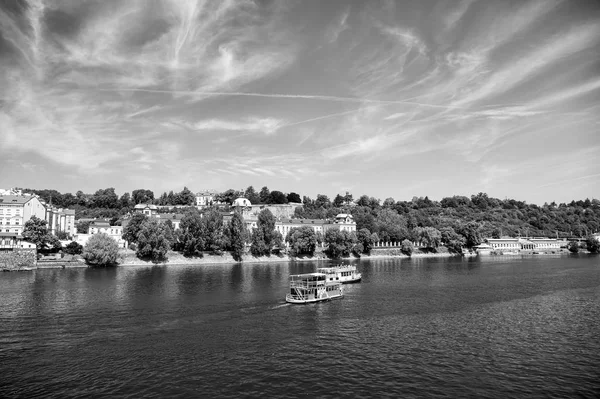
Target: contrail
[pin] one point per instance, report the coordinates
(290, 96)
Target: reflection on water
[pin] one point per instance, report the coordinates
(480, 326)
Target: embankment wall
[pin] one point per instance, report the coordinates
(18, 259)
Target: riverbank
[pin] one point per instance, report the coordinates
(128, 258)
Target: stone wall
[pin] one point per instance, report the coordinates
(18, 259)
(386, 252)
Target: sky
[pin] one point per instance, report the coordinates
(385, 98)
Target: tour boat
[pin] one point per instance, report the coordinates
(312, 287)
(342, 273)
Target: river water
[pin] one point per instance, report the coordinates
(478, 327)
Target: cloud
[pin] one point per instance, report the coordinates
(263, 125)
(339, 26)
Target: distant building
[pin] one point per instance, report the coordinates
(10, 191)
(342, 222)
(60, 220)
(102, 227)
(524, 244)
(11, 240)
(206, 198)
(146, 209)
(16, 210)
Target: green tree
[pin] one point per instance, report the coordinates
(277, 197)
(252, 195)
(593, 245)
(237, 235)
(125, 200)
(293, 197)
(367, 240)
(429, 237)
(152, 241)
(213, 231)
(101, 250)
(406, 247)
(36, 231)
(340, 243)
(471, 233)
(185, 197)
(390, 226)
(105, 198)
(142, 196)
(573, 246)
(264, 195)
(338, 201)
(191, 237)
(263, 234)
(133, 227)
(302, 241)
(74, 248)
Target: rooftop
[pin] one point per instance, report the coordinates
(15, 199)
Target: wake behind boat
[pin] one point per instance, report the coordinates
(343, 273)
(312, 287)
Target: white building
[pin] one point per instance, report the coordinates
(16, 210)
(206, 198)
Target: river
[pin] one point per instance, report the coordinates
(481, 327)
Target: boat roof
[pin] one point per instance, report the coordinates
(307, 275)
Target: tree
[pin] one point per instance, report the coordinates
(35, 231)
(101, 250)
(389, 202)
(142, 196)
(252, 195)
(236, 234)
(338, 201)
(573, 246)
(471, 233)
(264, 195)
(133, 227)
(191, 236)
(74, 248)
(293, 197)
(213, 231)
(406, 247)
(339, 243)
(429, 237)
(367, 240)
(263, 234)
(185, 197)
(277, 197)
(322, 201)
(82, 227)
(125, 200)
(105, 198)
(390, 226)
(302, 241)
(152, 240)
(592, 244)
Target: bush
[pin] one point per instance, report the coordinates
(573, 246)
(593, 245)
(74, 248)
(101, 250)
(406, 247)
(152, 240)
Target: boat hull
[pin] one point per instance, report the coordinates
(290, 299)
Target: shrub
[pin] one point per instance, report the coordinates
(74, 248)
(406, 247)
(101, 250)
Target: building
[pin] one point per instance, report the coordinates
(10, 191)
(524, 244)
(60, 220)
(206, 198)
(102, 227)
(175, 218)
(342, 222)
(16, 210)
(10, 241)
(146, 209)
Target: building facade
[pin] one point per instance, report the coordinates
(60, 220)
(16, 210)
(206, 198)
(342, 222)
(524, 244)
